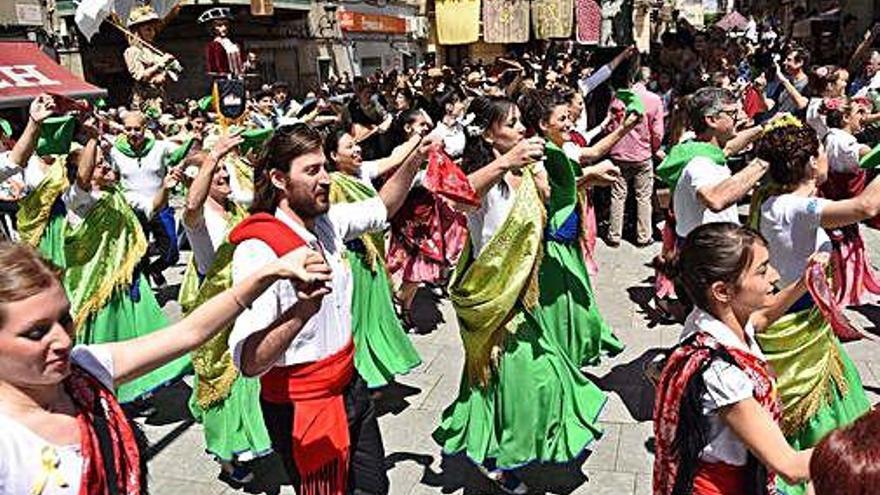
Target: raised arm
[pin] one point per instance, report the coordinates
(40, 109)
(591, 154)
(398, 155)
(524, 153)
(760, 433)
(800, 100)
(720, 196)
(201, 185)
(172, 178)
(742, 139)
(396, 188)
(134, 358)
(836, 214)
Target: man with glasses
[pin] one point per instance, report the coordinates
(705, 191)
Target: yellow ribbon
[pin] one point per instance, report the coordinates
(50, 462)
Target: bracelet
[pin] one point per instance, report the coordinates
(241, 305)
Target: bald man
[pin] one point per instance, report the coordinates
(142, 163)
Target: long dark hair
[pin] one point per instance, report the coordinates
(537, 106)
(288, 143)
(487, 111)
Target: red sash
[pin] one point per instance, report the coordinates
(720, 479)
(320, 425)
(94, 403)
(681, 366)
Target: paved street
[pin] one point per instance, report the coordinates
(620, 463)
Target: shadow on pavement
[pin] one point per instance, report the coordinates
(459, 473)
(629, 382)
(425, 312)
(392, 398)
(172, 404)
(872, 313)
(643, 297)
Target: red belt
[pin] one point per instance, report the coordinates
(320, 425)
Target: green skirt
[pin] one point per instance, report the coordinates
(52, 242)
(568, 308)
(537, 407)
(382, 348)
(124, 319)
(806, 356)
(234, 428)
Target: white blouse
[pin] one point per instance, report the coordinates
(22, 450)
(726, 384)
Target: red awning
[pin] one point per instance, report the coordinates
(25, 72)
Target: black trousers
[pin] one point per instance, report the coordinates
(366, 474)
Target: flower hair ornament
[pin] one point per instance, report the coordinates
(784, 120)
(833, 104)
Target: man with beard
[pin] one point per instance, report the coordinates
(323, 423)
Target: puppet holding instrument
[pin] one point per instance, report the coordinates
(149, 67)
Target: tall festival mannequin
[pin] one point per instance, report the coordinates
(150, 68)
(223, 57)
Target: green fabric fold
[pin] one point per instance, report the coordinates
(36, 208)
(681, 154)
(485, 291)
(101, 254)
(347, 189)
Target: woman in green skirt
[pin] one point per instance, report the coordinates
(521, 398)
(382, 348)
(226, 403)
(111, 300)
(567, 304)
(818, 383)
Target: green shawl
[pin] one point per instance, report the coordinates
(803, 351)
(101, 254)
(35, 208)
(488, 292)
(173, 158)
(681, 154)
(212, 361)
(346, 189)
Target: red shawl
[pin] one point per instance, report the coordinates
(685, 362)
(95, 405)
(320, 425)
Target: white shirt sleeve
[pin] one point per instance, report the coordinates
(369, 170)
(249, 256)
(7, 167)
(702, 172)
(725, 385)
(97, 360)
(352, 220)
(79, 200)
(34, 172)
(594, 80)
(572, 151)
(843, 153)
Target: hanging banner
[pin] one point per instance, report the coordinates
(458, 21)
(229, 98)
(357, 22)
(505, 21)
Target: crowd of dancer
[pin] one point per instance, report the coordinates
(313, 224)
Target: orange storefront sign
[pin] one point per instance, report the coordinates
(358, 22)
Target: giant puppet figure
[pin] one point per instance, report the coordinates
(223, 56)
(149, 67)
